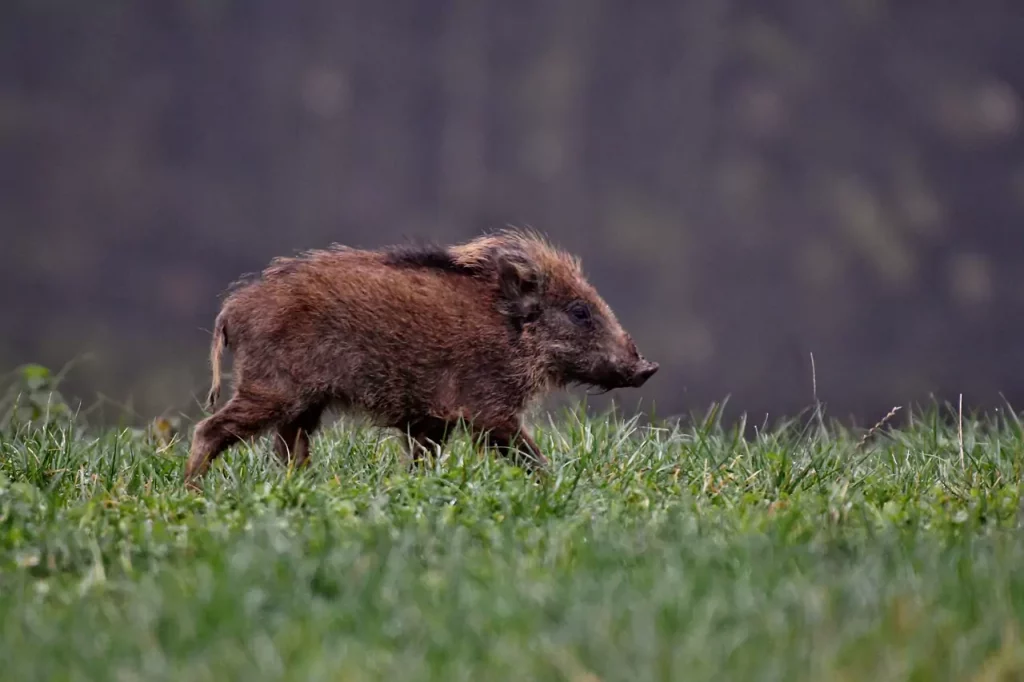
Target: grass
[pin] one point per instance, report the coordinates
(805, 552)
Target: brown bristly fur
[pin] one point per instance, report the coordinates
(418, 338)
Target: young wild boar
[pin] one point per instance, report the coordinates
(416, 338)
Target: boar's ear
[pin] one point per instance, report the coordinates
(520, 284)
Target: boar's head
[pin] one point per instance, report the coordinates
(560, 316)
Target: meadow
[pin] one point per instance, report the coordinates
(686, 551)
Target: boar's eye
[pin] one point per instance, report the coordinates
(579, 312)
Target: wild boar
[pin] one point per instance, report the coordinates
(414, 337)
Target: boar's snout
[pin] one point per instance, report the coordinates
(626, 367)
(636, 369)
(645, 370)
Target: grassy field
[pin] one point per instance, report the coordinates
(803, 553)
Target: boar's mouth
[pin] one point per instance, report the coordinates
(610, 378)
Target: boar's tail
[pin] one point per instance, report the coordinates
(220, 341)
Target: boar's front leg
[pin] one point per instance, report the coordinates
(514, 442)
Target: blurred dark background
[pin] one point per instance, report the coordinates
(748, 182)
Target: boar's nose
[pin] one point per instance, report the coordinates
(646, 371)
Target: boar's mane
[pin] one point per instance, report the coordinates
(429, 256)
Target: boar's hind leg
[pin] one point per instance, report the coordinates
(515, 443)
(292, 441)
(246, 415)
(424, 435)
